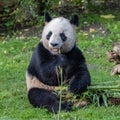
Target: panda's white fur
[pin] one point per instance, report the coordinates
(57, 26)
(33, 82)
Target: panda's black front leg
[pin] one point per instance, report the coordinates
(80, 80)
(47, 72)
(62, 60)
(43, 98)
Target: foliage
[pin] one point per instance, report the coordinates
(16, 13)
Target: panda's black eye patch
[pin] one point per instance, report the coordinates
(48, 35)
(63, 37)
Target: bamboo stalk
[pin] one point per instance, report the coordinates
(108, 83)
(60, 93)
(103, 87)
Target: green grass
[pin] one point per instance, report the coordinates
(15, 55)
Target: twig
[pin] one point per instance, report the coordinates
(60, 93)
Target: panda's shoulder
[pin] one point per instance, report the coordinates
(37, 58)
(39, 50)
(36, 52)
(76, 54)
(40, 54)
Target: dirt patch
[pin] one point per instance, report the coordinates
(96, 29)
(34, 31)
(113, 101)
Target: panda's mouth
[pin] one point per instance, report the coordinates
(55, 50)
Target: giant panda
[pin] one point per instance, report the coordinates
(57, 48)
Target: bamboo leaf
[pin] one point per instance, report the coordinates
(105, 100)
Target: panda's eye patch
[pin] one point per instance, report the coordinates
(63, 37)
(48, 35)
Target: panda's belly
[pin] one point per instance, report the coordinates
(48, 81)
(33, 82)
(51, 77)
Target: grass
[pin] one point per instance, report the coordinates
(15, 55)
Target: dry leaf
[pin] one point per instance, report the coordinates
(109, 16)
(91, 30)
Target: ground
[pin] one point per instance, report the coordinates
(16, 53)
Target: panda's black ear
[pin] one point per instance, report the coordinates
(47, 17)
(74, 20)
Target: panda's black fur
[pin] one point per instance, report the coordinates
(43, 66)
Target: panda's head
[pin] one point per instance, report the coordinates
(59, 34)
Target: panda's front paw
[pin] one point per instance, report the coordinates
(62, 60)
(66, 106)
(74, 87)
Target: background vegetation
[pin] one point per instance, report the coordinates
(99, 30)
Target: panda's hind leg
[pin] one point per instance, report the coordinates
(41, 95)
(43, 98)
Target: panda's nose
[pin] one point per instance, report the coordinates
(54, 44)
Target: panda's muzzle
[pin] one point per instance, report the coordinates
(54, 47)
